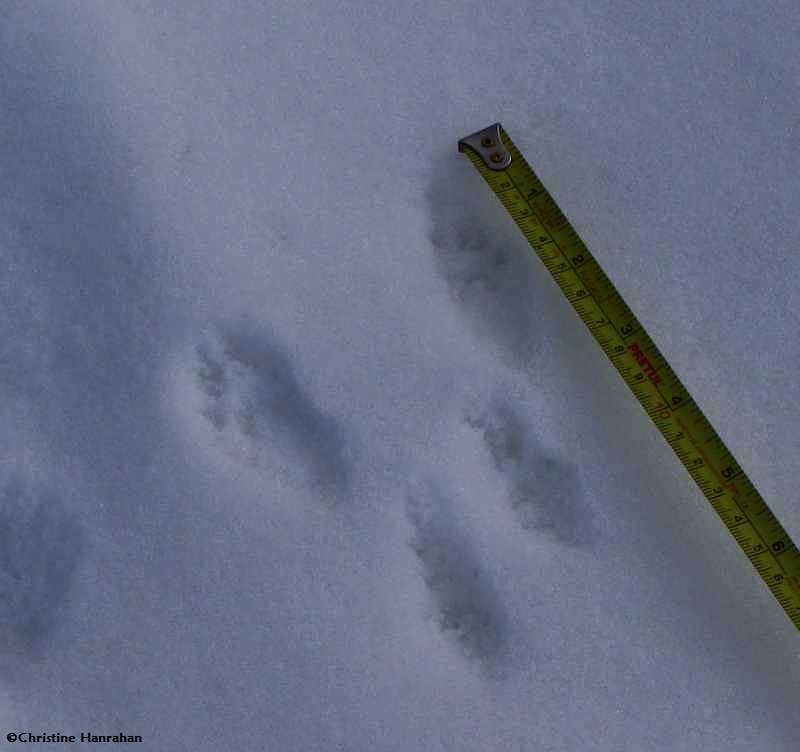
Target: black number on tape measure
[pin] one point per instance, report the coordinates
(716, 490)
(679, 436)
(738, 518)
(626, 330)
(664, 412)
(619, 349)
(778, 546)
(639, 376)
(778, 578)
(677, 400)
(580, 293)
(697, 461)
(727, 472)
(578, 259)
(758, 548)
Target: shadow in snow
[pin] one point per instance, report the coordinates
(85, 307)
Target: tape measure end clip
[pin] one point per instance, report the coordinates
(489, 146)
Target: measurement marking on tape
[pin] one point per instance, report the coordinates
(640, 363)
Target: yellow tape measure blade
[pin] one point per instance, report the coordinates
(640, 363)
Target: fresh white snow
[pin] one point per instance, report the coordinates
(302, 447)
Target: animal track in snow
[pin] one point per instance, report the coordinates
(251, 395)
(485, 267)
(544, 488)
(39, 547)
(467, 604)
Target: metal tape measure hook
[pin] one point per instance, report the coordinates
(488, 144)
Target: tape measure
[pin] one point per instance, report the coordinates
(644, 369)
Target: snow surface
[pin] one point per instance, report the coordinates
(304, 450)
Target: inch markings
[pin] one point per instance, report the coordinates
(640, 363)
